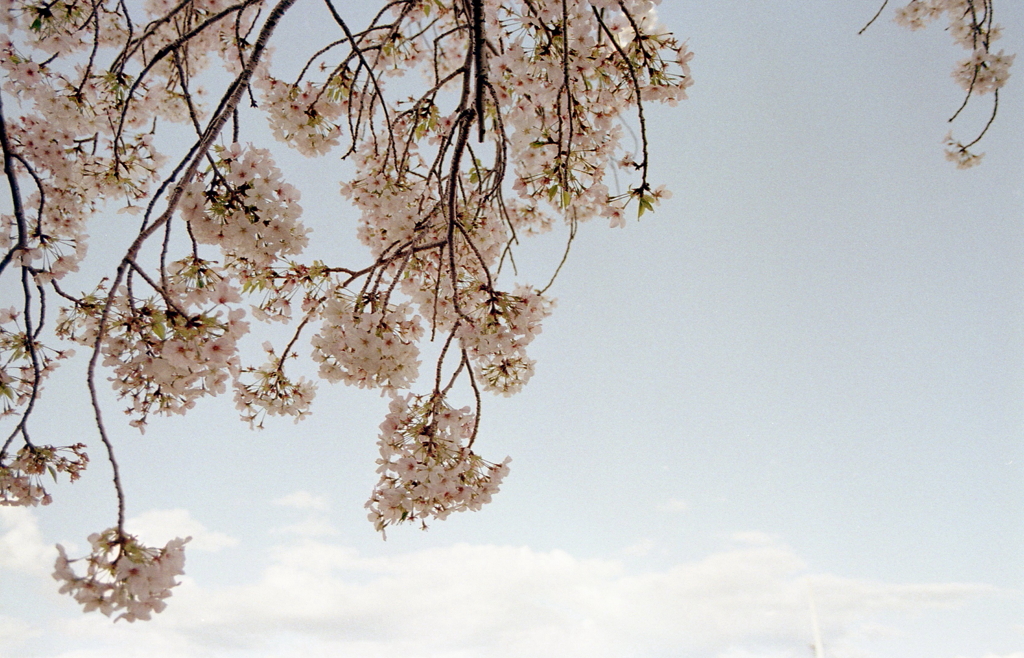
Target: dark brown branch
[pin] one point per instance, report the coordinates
(874, 18)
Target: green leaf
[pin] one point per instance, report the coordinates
(646, 203)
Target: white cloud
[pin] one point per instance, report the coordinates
(14, 632)
(321, 599)
(157, 527)
(746, 653)
(316, 524)
(303, 500)
(21, 543)
(318, 598)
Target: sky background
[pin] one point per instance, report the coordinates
(802, 377)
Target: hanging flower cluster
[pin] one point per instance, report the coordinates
(370, 345)
(165, 351)
(267, 391)
(245, 208)
(426, 467)
(495, 335)
(984, 71)
(305, 117)
(122, 575)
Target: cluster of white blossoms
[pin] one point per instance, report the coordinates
(984, 71)
(496, 333)
(123, 575)
(21, 479)
(24, 362)
(268, 391)
(371, 345)
(546, 98)
(245, 208)
(305, 117)
(426, 466)
(165, 352)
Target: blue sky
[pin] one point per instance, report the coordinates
(804, 372)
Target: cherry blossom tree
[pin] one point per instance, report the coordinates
(472, 124)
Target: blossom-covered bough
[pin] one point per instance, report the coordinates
(972, 26)
(471, 124)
